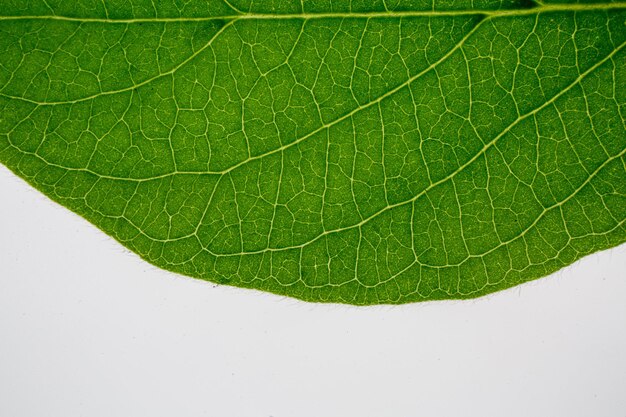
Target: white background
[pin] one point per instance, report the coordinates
(88, 329)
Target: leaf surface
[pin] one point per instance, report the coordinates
(346, 151)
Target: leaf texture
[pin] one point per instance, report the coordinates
(362, 152)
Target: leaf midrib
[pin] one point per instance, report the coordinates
(546, 8)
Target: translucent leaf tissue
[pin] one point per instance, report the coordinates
(347, 151)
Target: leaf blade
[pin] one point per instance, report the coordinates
(340, 157)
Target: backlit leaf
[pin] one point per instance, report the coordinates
(354, 151)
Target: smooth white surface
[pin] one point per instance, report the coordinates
(88, 329)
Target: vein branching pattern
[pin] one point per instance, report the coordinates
(352, 151)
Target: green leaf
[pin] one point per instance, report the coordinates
(354, 151)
